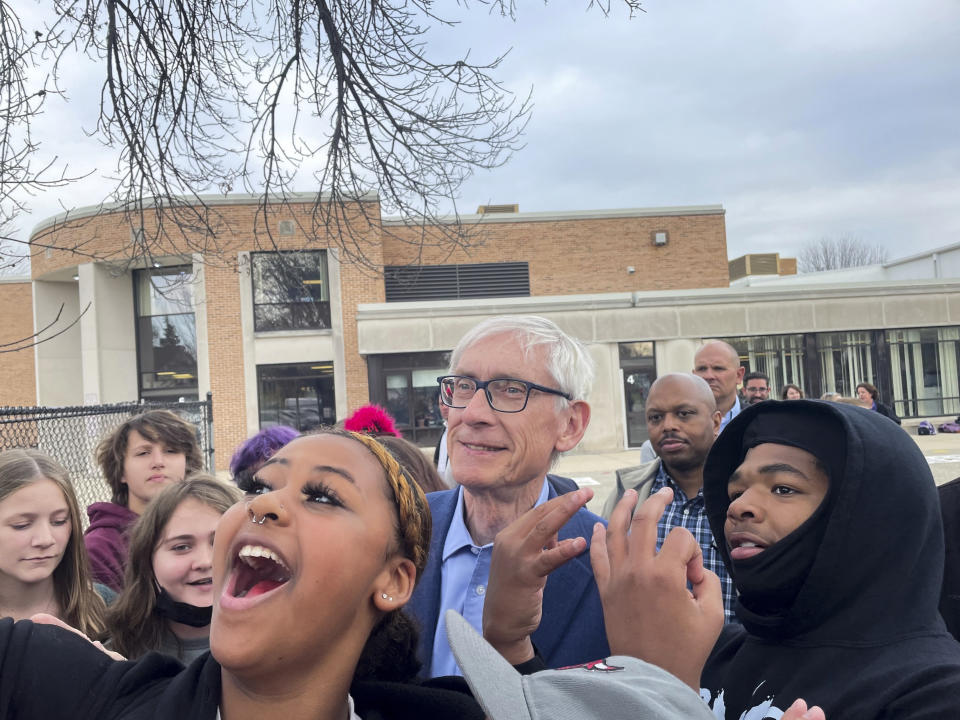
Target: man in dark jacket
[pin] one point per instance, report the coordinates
(827, 518)
(517, 393)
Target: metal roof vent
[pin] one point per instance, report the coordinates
(490, 209)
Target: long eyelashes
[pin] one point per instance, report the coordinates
(322, 494)
(252, 485)
(316, 492)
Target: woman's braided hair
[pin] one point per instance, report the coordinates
(390, 653)
(413, 514)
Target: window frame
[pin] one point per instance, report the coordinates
(300, 315)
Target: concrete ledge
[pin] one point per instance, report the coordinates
(561, 215)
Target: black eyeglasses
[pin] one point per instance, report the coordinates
(506, 395)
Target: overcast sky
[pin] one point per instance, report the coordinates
(803, 119)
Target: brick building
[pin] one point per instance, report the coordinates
(278, 339)
(304, 339)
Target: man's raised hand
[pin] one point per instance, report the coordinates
(524, 554)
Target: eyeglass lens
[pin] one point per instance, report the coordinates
(505, 395)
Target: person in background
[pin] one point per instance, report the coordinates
(138, 459)
(414, 462)
(870, 397)
(43, 564)
(167, 598)
(718, 363)
(682, 420)
(791, 392)
(259, 448)
(756, 387)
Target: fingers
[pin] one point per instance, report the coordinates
(550, 559)
(540, 525)
(619, 526)
(643, 528)
(46, 619)
(799, 711)
(599, 558)
(680, 548)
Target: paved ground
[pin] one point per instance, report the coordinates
(597, 470)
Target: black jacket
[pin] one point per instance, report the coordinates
(862, 637)
(950, 594)
(887, 411)
(50, 673)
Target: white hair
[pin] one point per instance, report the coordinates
(568, 361)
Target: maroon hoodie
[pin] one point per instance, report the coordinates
(108, 543)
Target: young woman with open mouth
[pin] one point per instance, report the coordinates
(310, 572)
(167, 597)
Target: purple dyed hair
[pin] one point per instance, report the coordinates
(260, 447)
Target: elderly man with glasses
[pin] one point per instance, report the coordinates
(516, 393)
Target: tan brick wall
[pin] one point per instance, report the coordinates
(18, 380)
(591, 256)
(107, 236)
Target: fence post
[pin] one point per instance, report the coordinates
(211, 463)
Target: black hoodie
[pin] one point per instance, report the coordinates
(861, 637)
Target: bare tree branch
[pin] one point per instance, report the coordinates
(833, 253)
(218, 96)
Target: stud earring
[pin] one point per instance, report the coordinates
(386, 597)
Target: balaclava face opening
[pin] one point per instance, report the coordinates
(768, 583)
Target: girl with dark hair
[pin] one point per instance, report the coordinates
(310, 574)
(138, 460)
(869, 397)
(43, 565)
(792, 392)
(167, 599)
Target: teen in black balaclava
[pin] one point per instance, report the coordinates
(842, 611)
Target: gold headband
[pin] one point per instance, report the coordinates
(411, 502)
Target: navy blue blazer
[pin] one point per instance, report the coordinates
(571, 630)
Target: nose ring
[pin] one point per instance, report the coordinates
(253, 516)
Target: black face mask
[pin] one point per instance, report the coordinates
(182, 612)
(768, 583)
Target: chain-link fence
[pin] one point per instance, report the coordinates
(71, 435)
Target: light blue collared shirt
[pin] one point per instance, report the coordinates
(464, 573)
(734, 411)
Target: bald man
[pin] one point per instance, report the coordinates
(718, 363)
(683, 420)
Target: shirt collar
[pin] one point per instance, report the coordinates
(663, 479)
(458, 536)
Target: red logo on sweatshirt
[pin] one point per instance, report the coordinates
(597, 665)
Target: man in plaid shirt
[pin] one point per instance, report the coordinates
(683, 420)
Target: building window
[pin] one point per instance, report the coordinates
(451, 282)
(924, 364)
(290, 291)
(166, 333)
(639, 369)
(779, 357)
(406, 385)
(301, 396)
(846, 359)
